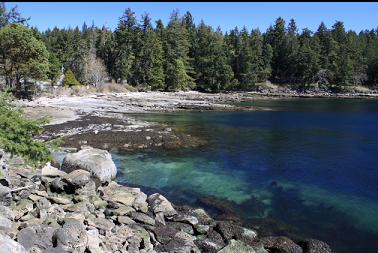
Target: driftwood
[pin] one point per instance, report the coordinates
(22, 188)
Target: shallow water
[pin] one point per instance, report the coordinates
(305, 169)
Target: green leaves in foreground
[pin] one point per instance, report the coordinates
(17, 134)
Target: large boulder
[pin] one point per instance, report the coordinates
(9, 245)
(37, 236)
(97, 161)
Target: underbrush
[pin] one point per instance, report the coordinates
(81, 90)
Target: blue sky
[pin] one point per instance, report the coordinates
(356, 16)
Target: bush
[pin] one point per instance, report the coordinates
(70, 79)
(17, 133)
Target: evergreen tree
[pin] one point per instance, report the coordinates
(213, 73)
(185, 55)
(176, 53)
(125, 45)
(105, 49)
(70, 79)
(276, 37)
(342, 67)
(22, 56)
(151, 58)
(261, 56)
(12, 16)
(54, 68)
(308, 58)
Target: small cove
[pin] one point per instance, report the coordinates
(307, 168)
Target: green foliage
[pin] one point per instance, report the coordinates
(70, 79)
(12, 16)
(177, 65)
(17, 133)
(23, 56)
(213, 73)
(54, 68)
(184, 55)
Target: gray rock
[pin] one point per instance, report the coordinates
(202, 229)
(160, 204)
(76, 216)
(314, 246)
(101, 223)
(140, 202)
(207, 245)
(3, 162)
(122, 210)
(60, 185)
(22, 207)
(61, 200)
(6, 212)
(280, 244)
(237, 247)
(125, 220)
(50, 171)
(5, 223)
(8, 245)
(165, 234)
(94, 241)
(71, 237)
(186, 218)
(84, 207)
(181, 227)
(87, 190)
(79, 178)
(5, 196)
(230, 230)
(37, 235)
(202, 216)
(126, 196)
(98, 162)
(140, 239)
(56, 212)
(182, 242)
(43, 203)
(143, 218)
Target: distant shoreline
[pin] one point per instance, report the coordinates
(315, 95)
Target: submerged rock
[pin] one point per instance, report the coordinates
(314, 246)
(98, 162)
(230, 230)
(280, 244)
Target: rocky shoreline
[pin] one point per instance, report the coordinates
(106, 120)
(79, 208)
(79, 201)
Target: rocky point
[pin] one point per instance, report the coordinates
(80, 208)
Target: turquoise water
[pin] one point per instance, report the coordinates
(307, 168)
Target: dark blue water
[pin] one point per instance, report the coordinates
(307, 168)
